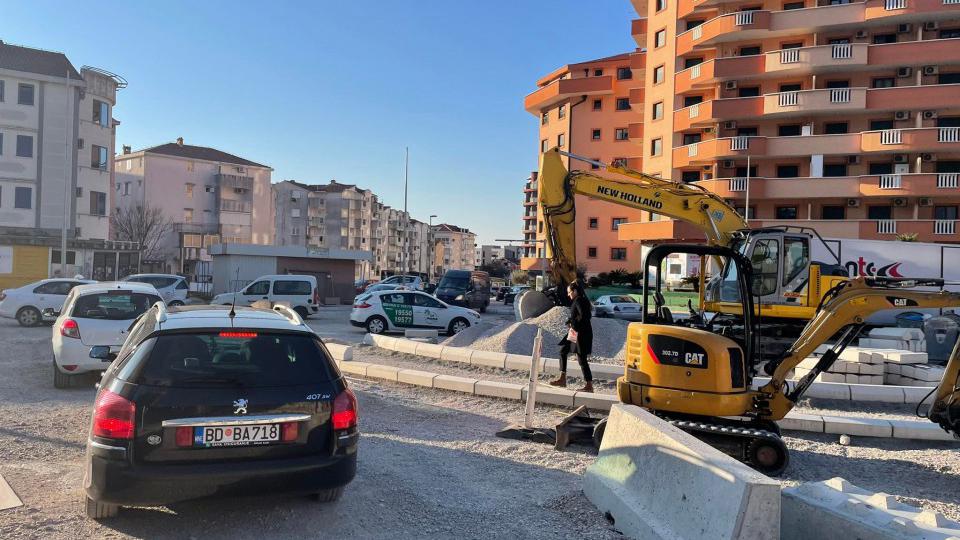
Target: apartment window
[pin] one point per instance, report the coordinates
(294, 212)
(25, 146)
(835, 169)
(295, 231)
(835, 128)
(661, 5)
(25, 94)
(597, 104)
(794, 45)
(594, 166)
(561, 140)
(561, 112)
(747, 132)
(752, 212)
(1, 141)
(946, 33)
(1, 92)
(101, 113)
(949, 78)
(833, 212)
(945, 212)
(618, 254)
(98, 203)
(543, 145)
(188, 215)
(623, 104)
(660, 38)
(126, 188)
(750, 50)
(692, 100)
(656, 147)
(879, 39)
(880, 212)
(55, 256)
(748, 91)
(876, 125)
(792, 5)
(209, 189)
(98, 157)
(593, 223)
(621, 134)
(616, 222)
(691, 138)
(690, 62)
(659, 73)
(544, 118)
(838, 84)
(690, 176)
(592, 252)
(23, 198)
(841, 40)
(598, 73)
(884, 82)
(624, 73)
(189, 190)
(788, 171)
(789, 130)
(595, 134)
(694, 23)
(786, 212)
(658, 110)
(791, 87)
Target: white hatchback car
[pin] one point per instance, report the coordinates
(26, 304)
(394, 311)
(96, 315)
(172, 288)
(620, 306)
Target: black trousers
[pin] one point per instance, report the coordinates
(581, 358)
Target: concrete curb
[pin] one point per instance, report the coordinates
(548, 395)
(910, 395)
(340, 352)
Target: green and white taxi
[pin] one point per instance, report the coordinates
(395, 311)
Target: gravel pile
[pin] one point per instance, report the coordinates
(609, 336)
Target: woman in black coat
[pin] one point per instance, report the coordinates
(579, 337)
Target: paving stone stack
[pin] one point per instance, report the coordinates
(905, 339)
(854, 366)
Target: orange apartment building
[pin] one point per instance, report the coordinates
(594, 109)
(849, 112)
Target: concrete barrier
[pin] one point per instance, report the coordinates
(340, 352)
(835, 509)
(659, 482)
(420, 333)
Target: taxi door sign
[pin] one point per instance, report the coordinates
(399, 314)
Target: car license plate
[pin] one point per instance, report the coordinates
(236, 435)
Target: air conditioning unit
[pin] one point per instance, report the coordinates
(904, 72)
(853, 160)
(707, 167)
(861, 34)
(727, 164)
(900, 201)
(730, 124)
(928, 157)
(931, 25)
(925, 201)
(904, 28)
(853, 203)
(900, 158)
(901, 115)
(931, 70)
(730, 85)
(928, 115)
(708, 129)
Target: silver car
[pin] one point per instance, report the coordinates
(172, 288)
(619, 306)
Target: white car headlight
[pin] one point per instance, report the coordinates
(459, 297)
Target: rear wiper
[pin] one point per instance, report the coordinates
(213, 380)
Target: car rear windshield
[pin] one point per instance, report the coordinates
(234, 358)
(113, 305)
(622, 300)
(157, 281)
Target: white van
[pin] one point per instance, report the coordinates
(299, 291)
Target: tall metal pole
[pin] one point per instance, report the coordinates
(67, 169)
(404, 256)
(746, 211)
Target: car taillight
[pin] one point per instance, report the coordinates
(289, 431)
(70, 367)
(184, 436)
(345, 410)
(3, 294)
(69, 328)
(362, 305)
(316, 296)
(113, 416)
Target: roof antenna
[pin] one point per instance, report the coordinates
(233, 304)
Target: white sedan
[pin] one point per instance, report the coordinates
(619, 306)
(394, 311)
(26, 304)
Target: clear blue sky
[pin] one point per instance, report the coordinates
(336, 89)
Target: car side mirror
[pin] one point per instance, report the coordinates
(102, 352)
(50, 312)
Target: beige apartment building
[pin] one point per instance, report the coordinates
(455, 249)
(208, 195)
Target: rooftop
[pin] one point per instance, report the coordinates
(39, 61)
(446, 227)
(332, 187)
(205, 153)
(563, 70)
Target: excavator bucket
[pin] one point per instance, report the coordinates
(531, 304)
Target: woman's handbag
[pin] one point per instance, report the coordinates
(572, 335)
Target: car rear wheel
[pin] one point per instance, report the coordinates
(60, 379)
(28, 316)
(328, 495)
(376, 325)
(458, 325)
(302, 312)
(99, 510)
(483, 308)
(175, 303)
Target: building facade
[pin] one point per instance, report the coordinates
(841, 116)
(593, 109)
(454, 249)
(209, 197)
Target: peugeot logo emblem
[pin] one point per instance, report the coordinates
(240, 406)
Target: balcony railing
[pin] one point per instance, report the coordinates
(697, 31)
(839, 95)
(949, 135)
(694, 110)
(741, 142)
(227, 205)
(692, 150)
(695, 72)
(891, 5)
(945, 226)
(790, 56)
(235, 181)
(891, 136)
(890, 181)
(948, 2)
(948, 180)
(744, 18)
(738, 184)
(886, 226)
(842, 51)
(789, 99)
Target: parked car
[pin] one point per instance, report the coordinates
(393, 311)
(299, 291)
(619, 306)
(199, 403)
(172, 288)
(511, 294)
(26, 304)
(361, 285)
(95, 316)
(414, 282)
(502, 291)
(465, 288)
(380, 287)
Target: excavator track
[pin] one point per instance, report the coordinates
(761, 449)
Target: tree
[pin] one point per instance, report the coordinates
(495, 269)
(520, 277)
(146, 225)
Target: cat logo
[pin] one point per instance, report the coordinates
(693, 359)
(900, 302)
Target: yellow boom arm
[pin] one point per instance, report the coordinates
(685, 202)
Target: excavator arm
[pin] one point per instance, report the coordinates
(844, 311)
(686, 202)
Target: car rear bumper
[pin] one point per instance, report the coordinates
(113, 480)
(360, 324)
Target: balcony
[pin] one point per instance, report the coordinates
(930, 96)
(635, 132)
(638, 29)
(227, 205)
(938, 185)
(231, 181)
(711, 71)
(636, 99)
(803, 102)
(912, 140)
(550, 95)
(711, 112)
(713, 149)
